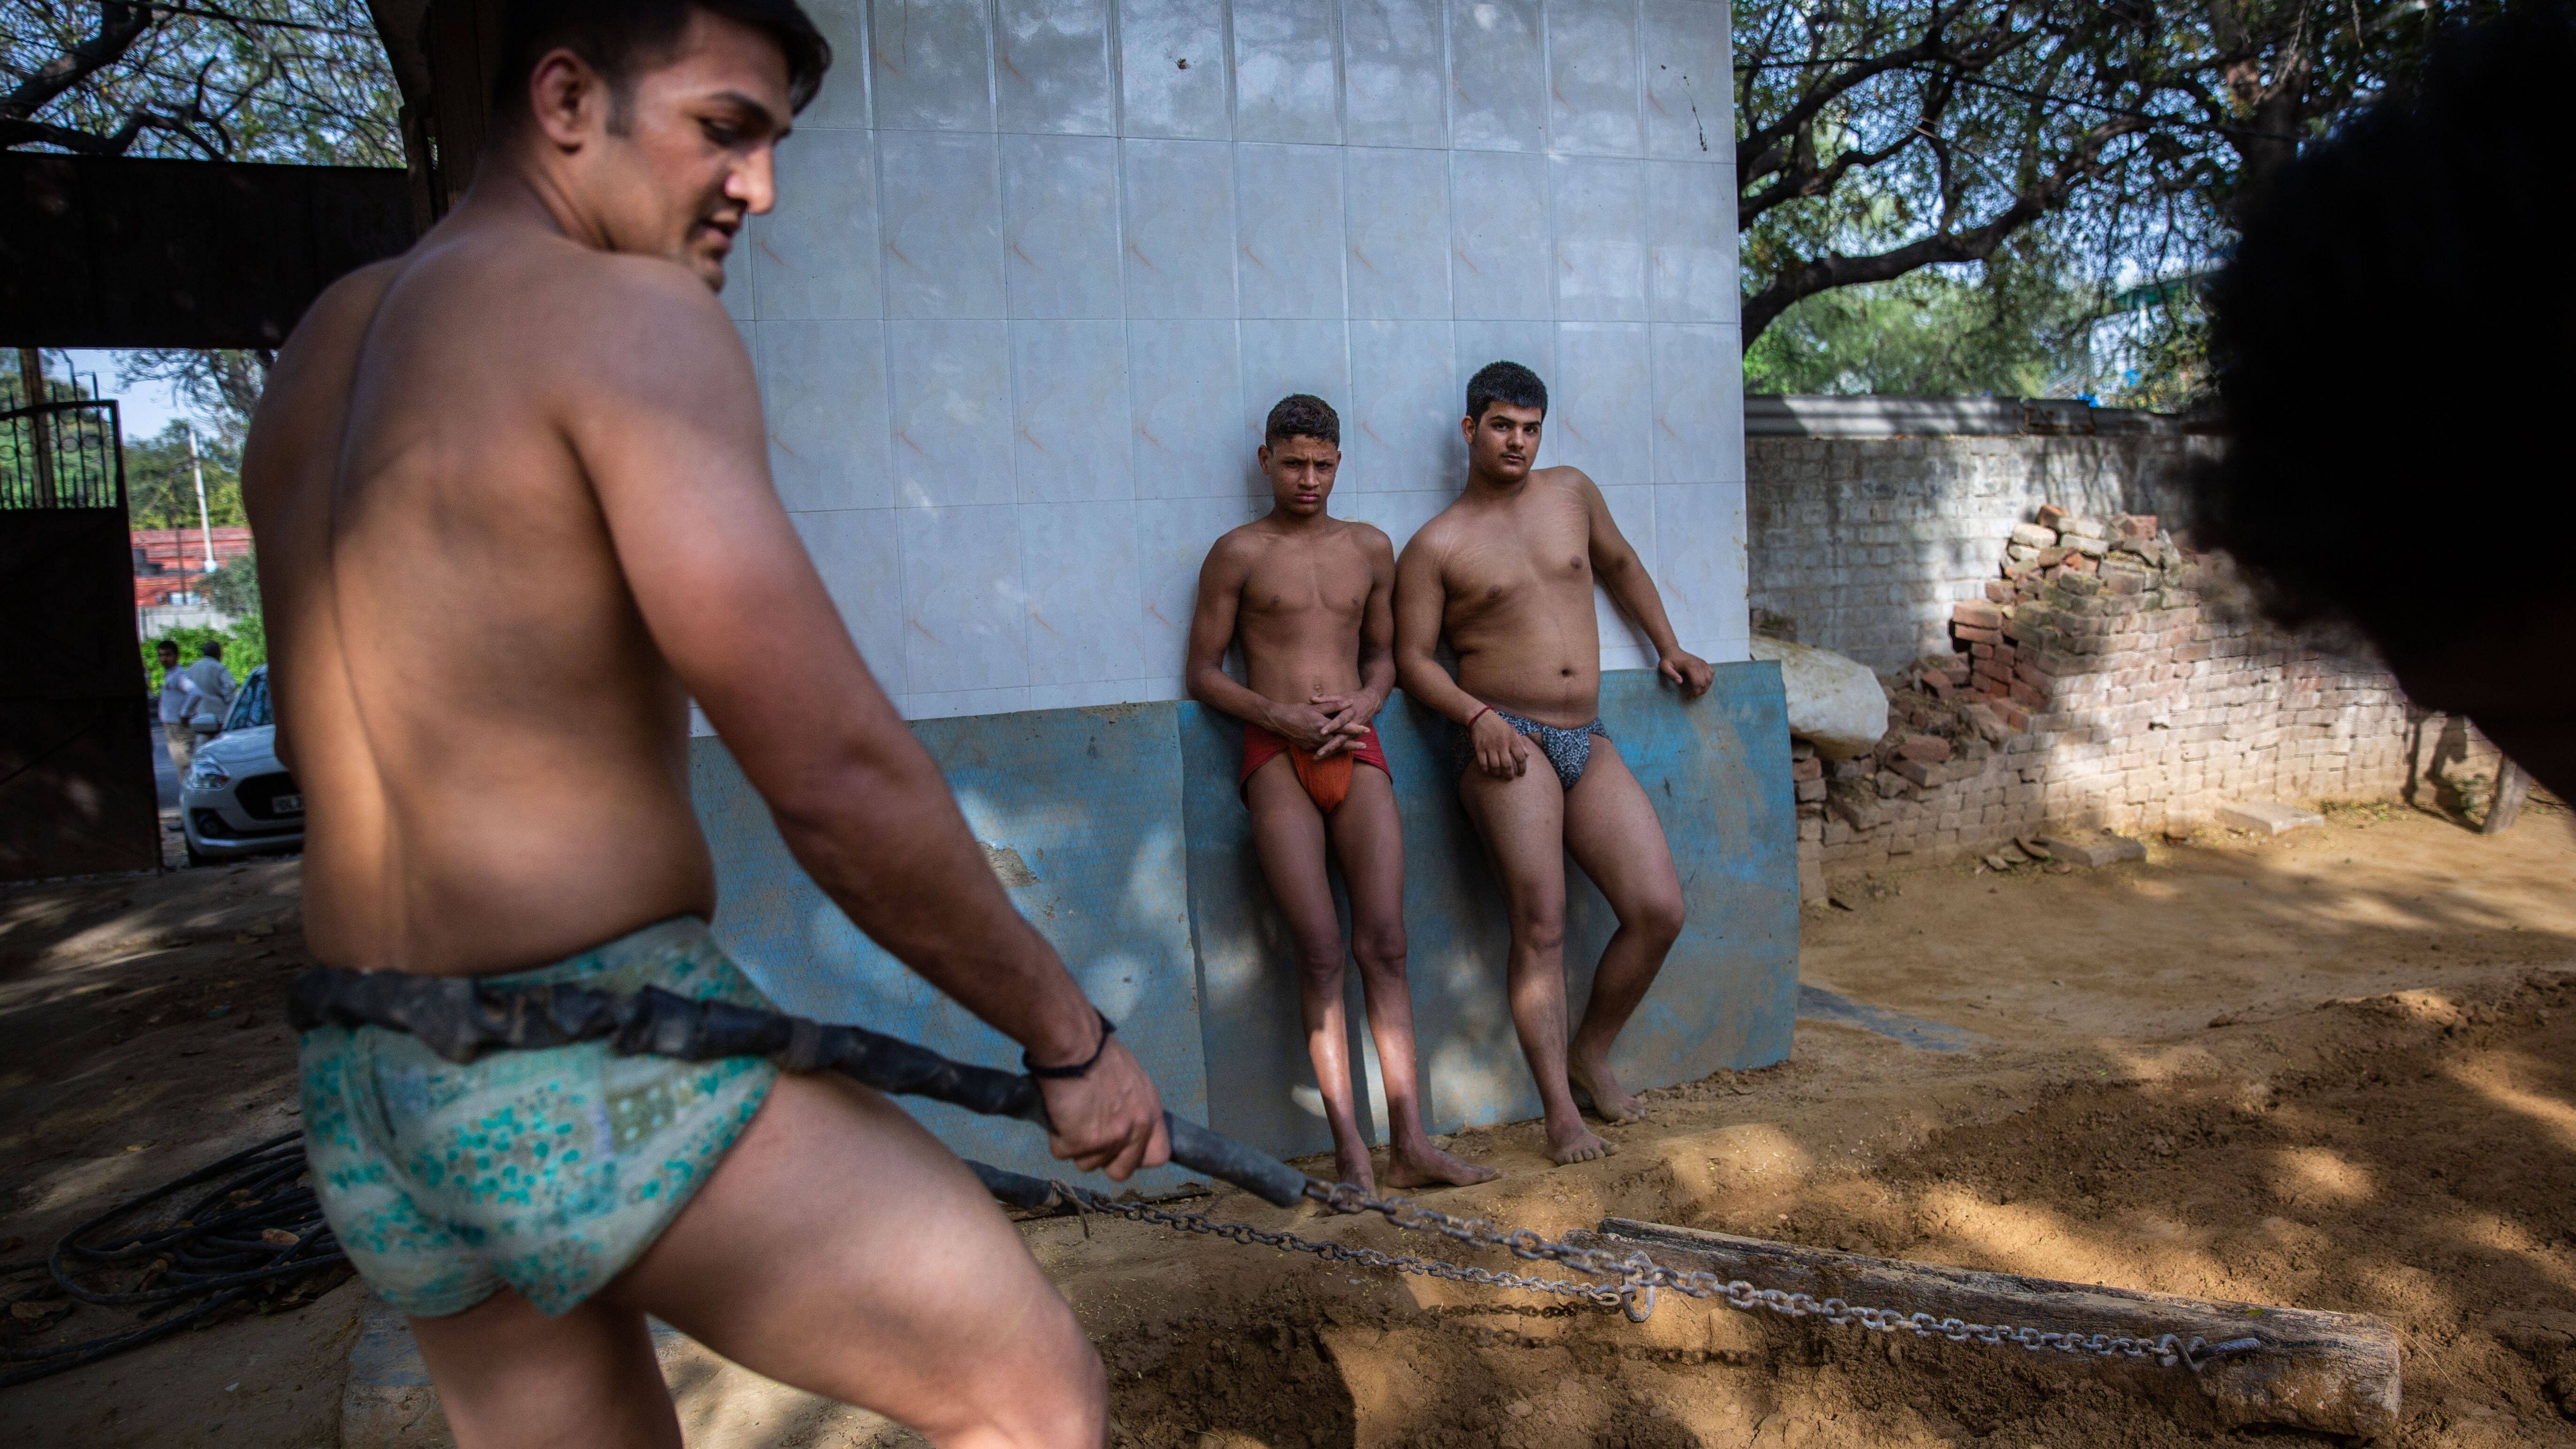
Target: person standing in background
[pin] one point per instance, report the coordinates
(175, 733)
(210, 689)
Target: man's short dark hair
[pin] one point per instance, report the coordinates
(2377, 342)
(1302, 415)
(212, 649)
(166, 646)
(617, 38)
(1507, 383)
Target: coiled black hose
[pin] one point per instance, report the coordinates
(256, 1224)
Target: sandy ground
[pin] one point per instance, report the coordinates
(2337, 1069)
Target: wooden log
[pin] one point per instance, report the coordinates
(2513, 787)
(2334, 1373)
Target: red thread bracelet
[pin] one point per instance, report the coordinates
(1479, 714)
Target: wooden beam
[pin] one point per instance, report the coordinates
(2329, 1372)
(2512, 788)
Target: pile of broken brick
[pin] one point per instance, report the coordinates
(1948, 713)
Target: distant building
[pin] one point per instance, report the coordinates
(170, 562)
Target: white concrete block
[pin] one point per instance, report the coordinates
(2262, 817)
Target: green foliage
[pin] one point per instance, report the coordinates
(245, 648)
(2016, 332)
(161, 489)
(247, 80)
(234, 588)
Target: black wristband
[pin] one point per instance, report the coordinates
(1108, 1029)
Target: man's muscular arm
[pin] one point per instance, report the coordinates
(1351, 713)
(1220, 601)
(1624, 576)
(665, 419)
(1421, 597)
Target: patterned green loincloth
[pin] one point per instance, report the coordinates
(545, 1171)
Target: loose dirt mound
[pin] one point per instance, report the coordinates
(2335, 1070)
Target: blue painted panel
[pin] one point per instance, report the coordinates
(1717, 770)
(1261, 1079)
(1146, 883)
(1090, 801)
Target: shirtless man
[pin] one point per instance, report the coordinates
(1308, 594)
(1505, 575)
(514, 512)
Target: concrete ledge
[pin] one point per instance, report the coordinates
(2263, 817)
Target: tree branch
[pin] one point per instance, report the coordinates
(119, 26)
(1794, 284)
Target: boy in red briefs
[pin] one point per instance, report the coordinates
(1310, 595)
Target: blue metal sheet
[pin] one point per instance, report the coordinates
(1717, 770)
(1089, 799)
(1145, 881)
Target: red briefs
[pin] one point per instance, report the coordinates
(1327, 780)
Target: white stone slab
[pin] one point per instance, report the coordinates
(2262, 817)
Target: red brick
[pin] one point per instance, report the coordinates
(2006, 655)
(2052, 516)
(1921, 772)
(2011, 714)
(1994, 674)
(1931, 749)
(2134, 525)
(1937, 682)
(1976, 615)
(1974, 635)
(1983, 651)
(1999, 591)
(2023, 694)
(2078, 563)
(1807, 769)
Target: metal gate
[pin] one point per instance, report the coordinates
(76, 792)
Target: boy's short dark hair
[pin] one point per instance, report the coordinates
(1507, 383)
(166, 646)
(1302, 415)
(2376, 343)
(619, 37)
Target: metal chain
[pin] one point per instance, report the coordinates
(1638, 1277)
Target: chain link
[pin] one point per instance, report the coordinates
(1638, 1275)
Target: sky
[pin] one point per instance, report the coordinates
(143, 408)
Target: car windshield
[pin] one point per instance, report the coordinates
(250, 707)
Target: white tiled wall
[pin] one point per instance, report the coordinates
(1039, 268)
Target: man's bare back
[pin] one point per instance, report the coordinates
(513, 507)
(493, 745)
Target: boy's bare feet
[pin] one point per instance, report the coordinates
(1351, 1161)
(1428, 1166)
(1594, 1080)
(1571, 1141)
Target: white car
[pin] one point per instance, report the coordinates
(236, 799)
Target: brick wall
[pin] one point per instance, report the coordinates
(2094, 675)
(1861, 545)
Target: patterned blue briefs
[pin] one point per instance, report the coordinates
(1568, 751)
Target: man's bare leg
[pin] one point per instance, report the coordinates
(1522, 821)
(509, 1375)
(838, 1248)
(1288, 835)
(1368, 839)
(1611, 829)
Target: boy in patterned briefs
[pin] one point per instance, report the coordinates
(1504, 577)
